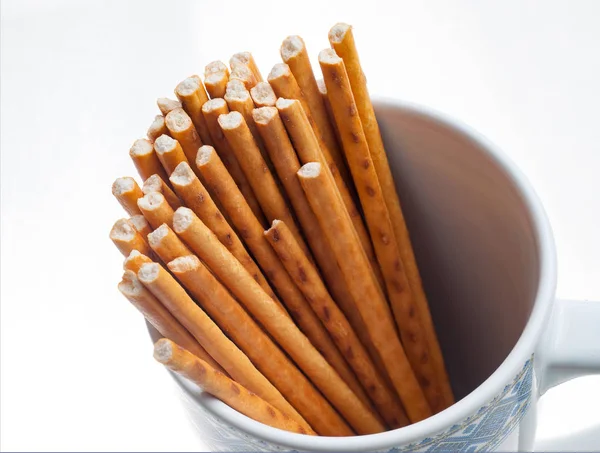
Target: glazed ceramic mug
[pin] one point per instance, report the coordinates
(487, 259)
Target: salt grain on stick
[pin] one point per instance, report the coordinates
(166, 289)
(217, 384)
(212, 110)
(197, 198)
(371, 304)
(160, 318)
(342, 41)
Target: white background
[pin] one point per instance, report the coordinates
(79, 80)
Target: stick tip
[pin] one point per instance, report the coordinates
(188, 86)
(328, 56)
(243, 58)
(310, 170)
(215, 67)
(165, 105)
(164, 144)
(236, 91)
(230, 120)
(213, 104)
(283, 103)
(338, 32)
(155, 127)
(177, 120)
(204, 155)
(279, 70)
(263, 94)
(152, 184)
(182, 174)
(123, 185)
(122, 230)
(129, 284)
(155, 238)
(148, 272)
(151, 201)
(139, 222)
(264, 115)
(182, 219)
(163, 350)
(291, 47)
(141, 147)
(185, 263)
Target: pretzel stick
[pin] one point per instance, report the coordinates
(126, 238)
(197, 198)
(140, 224)
(216, 76)
(169, 152)
(192, 95)
(127, 192)
(204, 243)
(217, 384)
(166, 244)
(212, 110)
(157, 128)
(155, 184)
(370, 302)
(244, 74)
(380, 225)
(165, 105)
(239, 100)
(160, 318)
(182, 129)
(327, 104)
(145, 160)
(134, 261)
(308, 280)
(155, 208)
(307, 147)
(246, 58)
(286, 164)
(263, 352)
(293, 52)
(166, 289)
(263, 95)
(342, 40)
(256, 170)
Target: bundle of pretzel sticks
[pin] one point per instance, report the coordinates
(268, 247)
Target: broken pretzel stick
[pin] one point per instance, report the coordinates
(244, 74)
(165, 105)
(169, 152)
(216, 76)
(155, 208)
(212, 381)
(263, 95)
(157, 128)
(166, 244)
(141, 225)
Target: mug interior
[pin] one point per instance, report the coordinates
(474, 241)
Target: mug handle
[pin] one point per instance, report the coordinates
(570, 346)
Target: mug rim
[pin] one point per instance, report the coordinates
(487, 390)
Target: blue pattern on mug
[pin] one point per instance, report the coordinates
(483, 431)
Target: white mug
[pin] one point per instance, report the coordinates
(487, 259)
